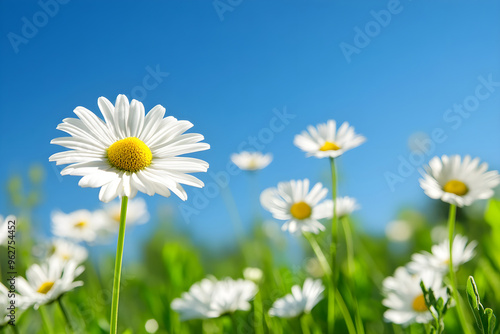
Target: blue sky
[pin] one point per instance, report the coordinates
(227, 68)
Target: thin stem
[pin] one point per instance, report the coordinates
(453, 278)
(65, 314)
(118, 268)
(333, 293)
(45, 320)
(234, 322)
(304, 324)
(350, 270)
(333, 249)
(258, 314)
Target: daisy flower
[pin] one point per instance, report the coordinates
(80, 225)
(405, 299)
(253, 274)
(211, 298)
(346, 205)
(439, 259)
(130, 151)
(137, 213)
(300, 207)
(301, 300)
(4, 229)
(326, 141)
(458, 181)
(47, 282)
(251, 160)
(65, 250)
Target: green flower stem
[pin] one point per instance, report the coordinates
(333, 249)
(65, 314)
(334, 293)
(118, 268)
(258, 314)
(45, 320)
(304, 324)
(453, 278)
(350, 269)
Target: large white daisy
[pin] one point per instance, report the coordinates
(80, 225)
(130, 151)
(251, 160)
(300, 207)
(137, 213)
(47, 282)
(457, 181)
(325, 140)
(439, 259)
(211, 298)
(405, 299)
(301, 300)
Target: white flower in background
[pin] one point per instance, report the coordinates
(399, 230)
(151, 326)
(80, 225)
(292, 201)
(251, 160)
(253, 274)
(137, 213)
(47, 282)
(65, 250)
(4, 229)
(346, 205)
(211, 298)
(325, 141)
(130, 151)
(439, 259)
(457, 181)
(405, 299)
(439, 233)
(301, 300)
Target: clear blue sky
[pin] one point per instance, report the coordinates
(229, 68)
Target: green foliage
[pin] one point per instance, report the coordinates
(485, 318)
(437, 307)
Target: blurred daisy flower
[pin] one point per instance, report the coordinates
(80, 225)
(346, 205)
(4, 229)
(130, 151)
(301, 300)
(405, 299)
(439, 259)
(326, 141)
(458, 181)
(211, 298)
(137, 213)
(4, 304)
(300, 207)
(399, 230)
(65, 250)
(49, 281)
(251, 160)
(253, 274)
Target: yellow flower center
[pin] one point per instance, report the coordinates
(301, 210)
(81, 224)
(45, 287)
(130, 154)
(419, 304)
(456, 187)
(329, 146)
